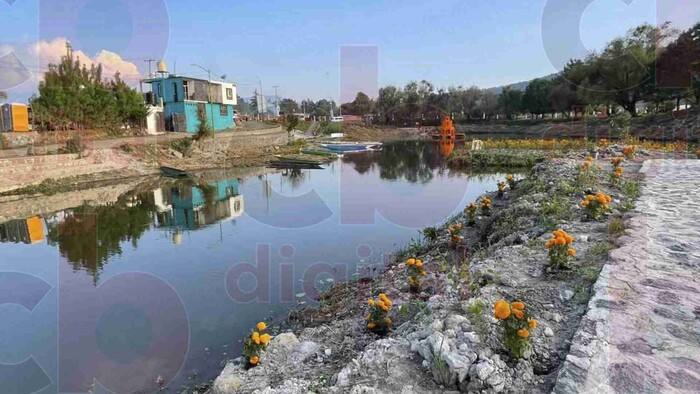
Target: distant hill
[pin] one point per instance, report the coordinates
(519, 85)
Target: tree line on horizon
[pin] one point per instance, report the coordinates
(654, 64)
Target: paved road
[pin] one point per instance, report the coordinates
(642, 331)
(141, 140)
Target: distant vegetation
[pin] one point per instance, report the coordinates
(654, 64)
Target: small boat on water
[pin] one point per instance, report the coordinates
(294, 160)
(173, 172)
(347, 147)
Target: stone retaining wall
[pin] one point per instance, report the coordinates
(248, 139)
(19, 172)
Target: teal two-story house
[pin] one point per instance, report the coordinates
(182, 99)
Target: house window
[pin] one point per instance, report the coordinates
(224, 110)
(229, 94)
(186, 90)
(160, 90)
(175, 97)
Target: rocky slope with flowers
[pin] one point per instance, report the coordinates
(447, 336)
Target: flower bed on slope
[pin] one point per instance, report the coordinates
(446, 336)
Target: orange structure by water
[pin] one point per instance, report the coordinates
(447, 130)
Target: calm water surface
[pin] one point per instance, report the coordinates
(166, 281)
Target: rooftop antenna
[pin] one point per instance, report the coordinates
(149, 61)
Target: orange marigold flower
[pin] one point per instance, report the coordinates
(256, 337)
(569, 239)
(523, 333)
(371, 325)
(370, 302)
(532, 323)
(519, 314)
(519, 305)
(585, 203)
(410, 261)
(261, 326)
(501, 309)
(254, 360)
(419, 264)
(608, 198)
(265, 338)
(549, 244)
(571, 252)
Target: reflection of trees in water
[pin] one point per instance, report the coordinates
(89, 235)
(294, 177)
(415, 161)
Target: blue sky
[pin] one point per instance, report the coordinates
(296, 44)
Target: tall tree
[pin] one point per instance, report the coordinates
(289, 106)
(510, 101)
(536, 97)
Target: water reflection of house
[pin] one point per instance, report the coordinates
(189, 207)
(28, 231)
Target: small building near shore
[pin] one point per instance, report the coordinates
(183, 98)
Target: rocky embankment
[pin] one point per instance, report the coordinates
(446, 338)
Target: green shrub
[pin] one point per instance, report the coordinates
(183, 146)
(74, 145)
(204, 130)
(616, 226)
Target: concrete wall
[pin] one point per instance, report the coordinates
(18, 172)
(249, 139)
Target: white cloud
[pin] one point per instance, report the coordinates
(50, 52)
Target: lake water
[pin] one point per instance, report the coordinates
(167, 280)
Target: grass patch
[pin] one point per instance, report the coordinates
(183, 146)
(497, 158)
(554, 211)
(616, 227)
(47, 187)
(630, 189)
(588, 179)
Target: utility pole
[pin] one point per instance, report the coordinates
(277, 101)
(149, 61)
(211, 106)
(261, 103)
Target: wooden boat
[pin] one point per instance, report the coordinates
(173, 172)
(296, 161)
(352, 146)
(318, 152)
(288, 165)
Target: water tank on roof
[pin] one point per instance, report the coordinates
(162, 67)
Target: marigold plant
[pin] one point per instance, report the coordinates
(255, 343)
(470, 210)
(415, 273)
(486, 205)
(617, 161)
(455, 234)
(596, 205)
(603, 143)
(511, 181)
(560, 249)
(629, 151)
(501, 188)
(615, 176)
(517, 325)
(378, 319)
